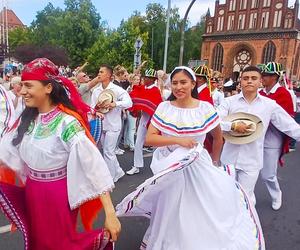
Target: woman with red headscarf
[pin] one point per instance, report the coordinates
(51, 150)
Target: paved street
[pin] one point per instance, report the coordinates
(281, 228)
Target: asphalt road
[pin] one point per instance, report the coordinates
(281, 228)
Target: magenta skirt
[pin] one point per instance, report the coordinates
(41, 211)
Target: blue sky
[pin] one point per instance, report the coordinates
(112, 11)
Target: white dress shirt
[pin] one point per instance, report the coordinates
(217, 97)
(112, 120)
(250, 156)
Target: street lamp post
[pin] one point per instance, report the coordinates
(182, 32)
(167, 36)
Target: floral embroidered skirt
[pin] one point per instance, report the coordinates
(193, 205)
(41, 211)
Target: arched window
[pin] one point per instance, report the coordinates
(269, 52)
(218, 57)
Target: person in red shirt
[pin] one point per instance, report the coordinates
(203, 83)
(204, 94)
(276, 143)
(145, 100)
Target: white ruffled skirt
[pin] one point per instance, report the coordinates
(193, 205)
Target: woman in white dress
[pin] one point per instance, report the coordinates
(54, 155)
(191, 203)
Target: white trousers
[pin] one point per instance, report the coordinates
(138, 159)
(109, 142)
(248, 180)
(129, 130)
(269, 171)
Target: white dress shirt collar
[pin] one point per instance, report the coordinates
(200, 88)
(273, 90)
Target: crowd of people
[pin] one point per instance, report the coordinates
(61, 132)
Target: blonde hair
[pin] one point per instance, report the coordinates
(119, 70)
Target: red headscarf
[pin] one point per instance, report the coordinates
(42, 69)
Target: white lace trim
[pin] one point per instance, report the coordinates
(92, 197)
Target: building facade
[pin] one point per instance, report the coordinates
(250, 32)
(8, 21)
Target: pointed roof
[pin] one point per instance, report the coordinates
(208, 12)
(12, 18)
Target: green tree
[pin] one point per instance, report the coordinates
(117, 46)
(193, 41)
(20, 36)
(76, 28)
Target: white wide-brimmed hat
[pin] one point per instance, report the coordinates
(105, 97)
(251, 135)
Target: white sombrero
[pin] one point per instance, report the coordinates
(105, 97)
(251, 135)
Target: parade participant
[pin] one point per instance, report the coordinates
(248, 157)
(121, 79)
(203, 83)
(185, 199)
(7, 111)
(145, 100)
(7, 114)
(51, 150)
(121, 76)
(14, 95)
(204, 94)
(85, 86)
(130, 124)
(217, 95)
(276, 143)
(112, 118)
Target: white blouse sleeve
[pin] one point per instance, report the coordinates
(87, 173)
(10, 156)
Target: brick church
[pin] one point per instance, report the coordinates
(244, 32)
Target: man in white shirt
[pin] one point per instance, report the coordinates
(248, 158)
(112, 120)
(217, 95)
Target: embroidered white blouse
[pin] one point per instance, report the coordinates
(56, 140)
(181, 122)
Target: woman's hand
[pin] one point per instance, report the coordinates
(186, 142)
(113, 225)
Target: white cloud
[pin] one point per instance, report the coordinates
(198, 9)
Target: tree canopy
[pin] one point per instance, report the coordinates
(80, 34)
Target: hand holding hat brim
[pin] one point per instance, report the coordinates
(254, 128)
(106, 101)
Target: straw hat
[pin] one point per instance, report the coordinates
(106, 96)
(253, 133)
